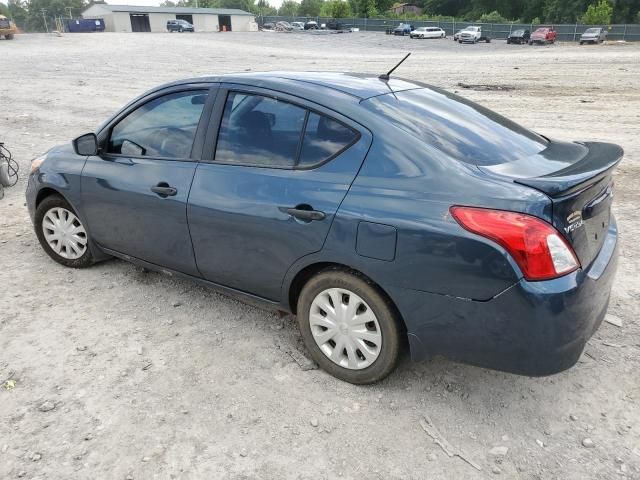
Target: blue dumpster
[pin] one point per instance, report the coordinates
(85, 25)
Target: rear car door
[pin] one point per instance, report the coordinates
(276, 176)
(135, 191)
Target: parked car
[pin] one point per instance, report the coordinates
(473, 34)
(428, 32)
(520, 36)
(283, 26)
(593, 35)
(311, 25)
(377, 210)
(336, 25)
(403, 29)
(179, 26)
(269, 26)
(543, 35)
(297, 25)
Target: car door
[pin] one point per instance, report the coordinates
(278, 172)
(135, 191)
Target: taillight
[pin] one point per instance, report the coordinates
(536, 246)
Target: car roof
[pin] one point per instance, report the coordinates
(359, 86)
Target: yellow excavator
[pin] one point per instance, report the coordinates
(7, 28)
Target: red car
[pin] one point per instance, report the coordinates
(543, 35)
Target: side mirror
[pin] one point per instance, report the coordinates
(86, 145)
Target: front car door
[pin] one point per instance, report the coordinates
(277, 175)
(135, 192)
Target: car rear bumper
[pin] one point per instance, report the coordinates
(532, 328)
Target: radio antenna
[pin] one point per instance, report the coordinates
(386, 76)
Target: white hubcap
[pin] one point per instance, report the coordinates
(345, 328)
(64, 233)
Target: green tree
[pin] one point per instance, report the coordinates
(598, 14)
(493, 17)
(263, 7)
(4, 10)
(336, 9)
(289, 8)
(310, 8)
(363, 8)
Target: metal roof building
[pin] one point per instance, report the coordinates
(130, 18)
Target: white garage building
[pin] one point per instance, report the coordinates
(130, 18)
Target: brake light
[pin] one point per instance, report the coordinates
(536, 246)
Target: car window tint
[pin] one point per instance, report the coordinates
(260, 131)
(164, 127)
(323, 138)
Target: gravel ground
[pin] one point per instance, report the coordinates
(117, 373)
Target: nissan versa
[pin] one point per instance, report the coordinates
(382, 212)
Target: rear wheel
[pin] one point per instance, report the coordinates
(349, 327)
(61, 233)
(9, 36)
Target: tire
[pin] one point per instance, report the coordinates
(382, 356)
(54, 205)
(530, 42)
(488, 40)
(9, 36)
(180, 30)
(581, 43)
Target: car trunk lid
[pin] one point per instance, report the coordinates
(577, 177)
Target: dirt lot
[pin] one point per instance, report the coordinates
(117, 373)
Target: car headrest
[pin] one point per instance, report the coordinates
(255, 122)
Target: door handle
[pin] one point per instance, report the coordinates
(304, 213)
(164, 190)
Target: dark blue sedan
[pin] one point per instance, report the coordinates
(380, 211)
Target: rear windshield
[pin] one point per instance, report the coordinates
(457, 127)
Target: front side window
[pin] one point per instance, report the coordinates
(164, 127)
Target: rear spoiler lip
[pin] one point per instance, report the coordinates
(593, 167)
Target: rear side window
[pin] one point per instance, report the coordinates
(164, 127)
(324, 137)
(262, 131)
(259, 131)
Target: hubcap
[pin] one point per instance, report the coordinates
(64, 233)
(345, 328)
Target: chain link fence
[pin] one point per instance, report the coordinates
(567, 33)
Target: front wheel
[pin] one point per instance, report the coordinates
(350, 329)
(61, 233)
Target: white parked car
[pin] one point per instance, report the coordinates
(428, 32)
(297, 25)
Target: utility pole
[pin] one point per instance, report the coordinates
(44, 18)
